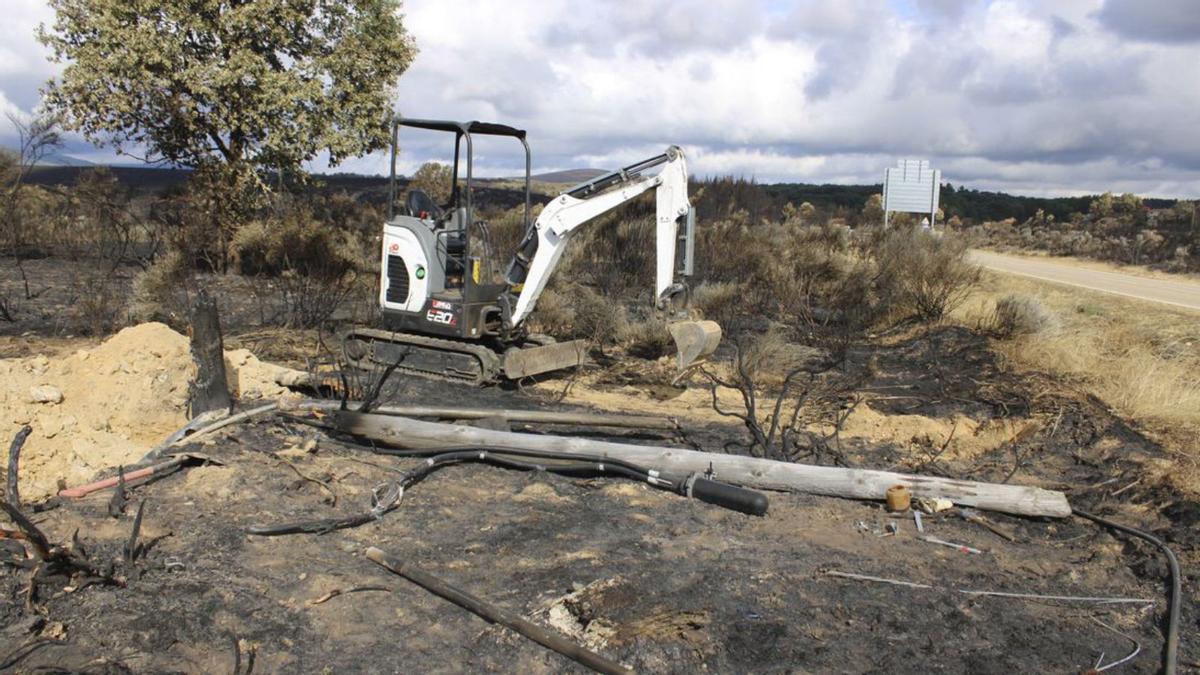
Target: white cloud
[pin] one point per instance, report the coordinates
(1023, 95)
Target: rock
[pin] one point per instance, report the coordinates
(287, 377)
(39, 364)
(45, 393)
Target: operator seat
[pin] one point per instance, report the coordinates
(421, 205)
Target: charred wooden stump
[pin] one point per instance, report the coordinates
(209, 390)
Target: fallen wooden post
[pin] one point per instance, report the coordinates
(508, 414)
(495, 614)
(532, 416)
(745, 471)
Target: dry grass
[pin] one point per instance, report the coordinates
(1141, 358)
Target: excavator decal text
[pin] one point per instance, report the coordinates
(442, 312)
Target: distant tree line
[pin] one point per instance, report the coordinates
(1118, 228)
(969, 205)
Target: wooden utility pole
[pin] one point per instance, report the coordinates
(745, 471)
(209, 389)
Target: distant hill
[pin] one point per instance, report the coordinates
(55, 159)
(570, 176)
(139, 179)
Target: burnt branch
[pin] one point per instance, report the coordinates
(13, 496)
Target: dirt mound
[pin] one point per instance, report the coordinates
(107, 406)
(963, 437)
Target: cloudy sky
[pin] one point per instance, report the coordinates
(1049, 98)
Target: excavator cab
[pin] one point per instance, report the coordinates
(440, 273)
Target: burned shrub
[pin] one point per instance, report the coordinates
(570, 310)
(922, 274)
(647, 338)
(1017, 315)
(162, 291)
(554, 315)
(767, 362)
(313, 267)
(597, 317)
(98, 304)
(718, 300)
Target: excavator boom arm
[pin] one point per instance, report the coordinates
(560, 218)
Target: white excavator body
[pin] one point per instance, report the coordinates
(448, 314)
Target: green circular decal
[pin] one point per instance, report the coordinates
(420, 272)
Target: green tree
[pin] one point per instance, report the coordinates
(244, 84)
(231, 88)
(1128, 204)
(434, 179)
(872, 213)
(1102, 206)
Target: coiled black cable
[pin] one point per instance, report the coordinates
(1171, 649)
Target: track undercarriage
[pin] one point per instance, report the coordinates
(459, 360)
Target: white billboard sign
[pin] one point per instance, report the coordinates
(911, 187)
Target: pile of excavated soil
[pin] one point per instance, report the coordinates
(962, 437)
(107, 406)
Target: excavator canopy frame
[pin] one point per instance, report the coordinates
(461, 130)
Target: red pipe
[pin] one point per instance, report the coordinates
(85, 490)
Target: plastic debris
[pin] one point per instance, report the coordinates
(949, 544)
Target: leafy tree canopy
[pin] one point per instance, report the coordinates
(434, 179)
(247, 84)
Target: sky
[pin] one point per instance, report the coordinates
(1042, 98)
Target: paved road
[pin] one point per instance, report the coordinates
(1181, 293)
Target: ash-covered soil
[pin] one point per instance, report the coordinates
(650, 579)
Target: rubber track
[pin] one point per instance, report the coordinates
(489, 362)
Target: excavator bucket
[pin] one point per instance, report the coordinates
(695, 341)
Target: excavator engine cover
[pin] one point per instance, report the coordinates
(695, 341)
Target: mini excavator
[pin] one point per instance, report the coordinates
(449, 313)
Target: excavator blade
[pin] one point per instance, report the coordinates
(529, 361)
(694, 340)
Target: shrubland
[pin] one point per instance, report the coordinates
(1121, 229)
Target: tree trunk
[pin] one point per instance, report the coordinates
(209, 390)
(745, 471)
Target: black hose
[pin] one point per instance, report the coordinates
(694, 486)
(572, 459)
(442, 459)
(1171, 649)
